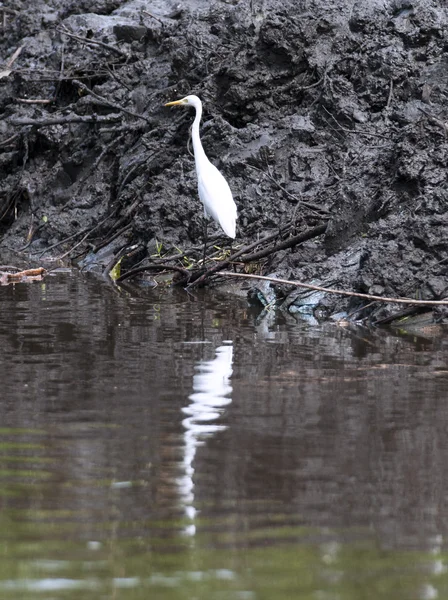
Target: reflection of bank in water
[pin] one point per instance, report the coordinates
(211, 393)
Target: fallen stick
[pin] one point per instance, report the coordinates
(65, 120)
(233, 257)
(30, 274)
(319, 288)
(34, 101)
(14, 57)
(106, 102)
(85, 40)
(9, 140)
(297, 239)
(158, 267)
(436, 120)
(289, 243)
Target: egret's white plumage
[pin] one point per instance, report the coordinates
(214, 190)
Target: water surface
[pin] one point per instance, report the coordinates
(158, 444)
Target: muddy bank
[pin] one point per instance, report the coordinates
(318, 114)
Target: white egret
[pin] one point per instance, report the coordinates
(214, 191)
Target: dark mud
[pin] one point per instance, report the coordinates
(317, 112)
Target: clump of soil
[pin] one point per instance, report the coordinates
(317, 112)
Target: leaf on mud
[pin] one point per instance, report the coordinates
(115, 272)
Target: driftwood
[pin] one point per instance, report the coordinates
(22, 276)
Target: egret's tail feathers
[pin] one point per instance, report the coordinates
(229, 227)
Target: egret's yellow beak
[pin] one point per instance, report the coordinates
(175, 103)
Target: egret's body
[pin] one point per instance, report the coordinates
(213, 189)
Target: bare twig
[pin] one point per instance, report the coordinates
(145, 12)
(309, 205)
(289, 243)
(404, 312)
(81, 241)
(108, 103)
(436, 120)
(67, 239)
(112, 237)
(14, 57)
(34, 101)
(119, 81)
(308, 87)
(65, 120)
(127, 127)
(391, 93)
(132, 272)
(85, 40)
(319, 288)
(89, 233)
(9, 140)
(225, 263)
(355, 131)
(92, 169)
(61, 73)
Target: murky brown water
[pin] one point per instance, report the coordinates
(176, 447)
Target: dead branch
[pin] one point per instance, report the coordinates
(64, 120)
(132, 272)
(355, 131)
(401, 314)
(89, 232)
(34, 101)
(14, 57)
(93, 168)
(27, 275)
(289, 243)
(9, 140)
(88, 91)
(85, 40)
(145, 12)
(81, 241)
(201, 277)
(67, 239)
(319, 288)
(112, 237)
(126, 128)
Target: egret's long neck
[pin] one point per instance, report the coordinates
(199, 154)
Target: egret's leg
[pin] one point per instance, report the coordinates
(205, 240)
(231, 252)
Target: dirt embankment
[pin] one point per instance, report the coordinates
(318, 113)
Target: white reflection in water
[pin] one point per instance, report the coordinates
(211, 394)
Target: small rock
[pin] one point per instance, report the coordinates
(438, 286)
(359, 116)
